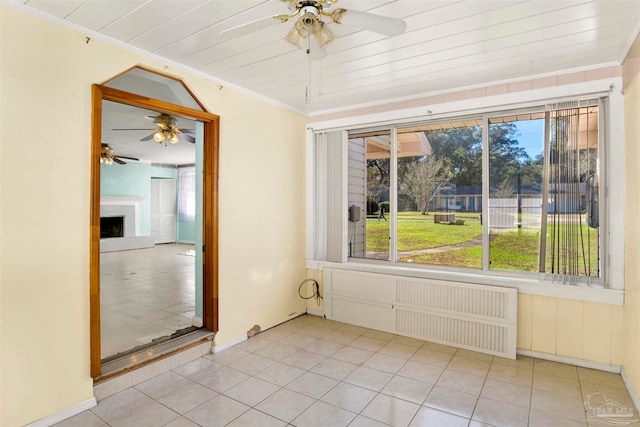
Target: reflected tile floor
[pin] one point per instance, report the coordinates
(315, 372)
(145, 294)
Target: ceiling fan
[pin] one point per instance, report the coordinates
(310, 22)
(107, 156)
(167, 130)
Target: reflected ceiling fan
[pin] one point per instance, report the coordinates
(167, 130)
(108, 157)
(311, 24)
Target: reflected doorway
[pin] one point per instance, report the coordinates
(149, 208)
(168, 287)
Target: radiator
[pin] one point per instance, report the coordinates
(474, 317)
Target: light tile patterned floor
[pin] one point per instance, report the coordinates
(145, 294)
(315, 372)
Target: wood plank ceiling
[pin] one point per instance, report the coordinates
(448, 44)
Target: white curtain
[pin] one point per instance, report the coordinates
(187, 194)
(330, 196)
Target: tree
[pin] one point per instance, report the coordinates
(378, 179)
(461, 151)
(506, 156)
(531, 171)
(504, 191)
(423, 179)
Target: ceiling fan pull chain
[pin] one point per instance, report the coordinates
(307, 95)
(320, 77)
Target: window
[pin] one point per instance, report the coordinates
(186, 194)
(369, 189)
(423, 188)
(543, 202)
(440, 184)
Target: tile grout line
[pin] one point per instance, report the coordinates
(276, 357)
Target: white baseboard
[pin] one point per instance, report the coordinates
(315, 313)
(570, 361)
(230, 343)
(64, 414)
(591, 365)
(630, 389)
(197, 321)
(241, 338)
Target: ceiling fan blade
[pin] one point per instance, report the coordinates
(118, 161)
(128, 158)
(147, 138)
(376, 23)
(189, 138)
(133, 129)
(249, 27)
(190, 131)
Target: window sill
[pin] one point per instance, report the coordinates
(524, 285)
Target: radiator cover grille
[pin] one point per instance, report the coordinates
(483, 337)
(483, 301)
(475, 317)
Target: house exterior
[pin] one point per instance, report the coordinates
(45, 127)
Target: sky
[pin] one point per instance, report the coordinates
(531, 136)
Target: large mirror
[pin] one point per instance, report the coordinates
(149, 216)
(154, 204)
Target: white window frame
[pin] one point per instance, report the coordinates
(613, 234)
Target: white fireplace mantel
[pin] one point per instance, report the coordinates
(120, 200)
(125, 201)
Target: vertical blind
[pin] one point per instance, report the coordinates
(572, 226)
(330, 210)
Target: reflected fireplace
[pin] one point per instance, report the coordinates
(111, 226)
(120, 224)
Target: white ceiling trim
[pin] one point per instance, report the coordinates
(632, 38)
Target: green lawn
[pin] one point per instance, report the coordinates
(467, 257)
(510, 249)
(417, 231)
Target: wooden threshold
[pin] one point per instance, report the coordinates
(146, 356)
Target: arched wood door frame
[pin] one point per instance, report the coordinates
(209, 205)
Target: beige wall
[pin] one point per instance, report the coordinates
(46, 77)
(571, 328)
(631, 74)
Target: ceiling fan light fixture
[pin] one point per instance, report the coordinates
(106, 160)
(173, 137)
(295, 37)
(324, 35)
(314, 15)
(164, 120)
(309, 25)
(106, 154)
(158, 137)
